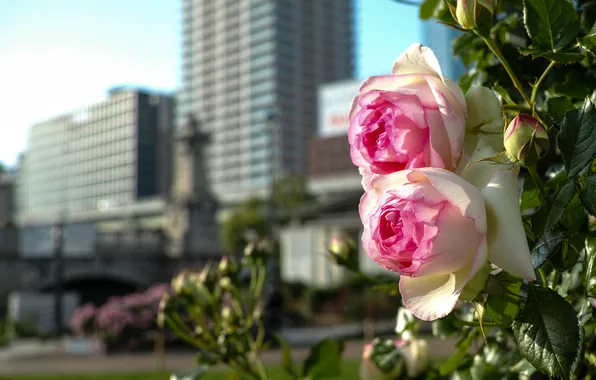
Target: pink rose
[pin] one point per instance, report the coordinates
(429, 225)
(410, 119)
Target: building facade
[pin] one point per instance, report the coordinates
(108, 155)
(331, 171)
(439, 38)
(250, 74)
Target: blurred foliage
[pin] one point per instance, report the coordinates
(249, 220)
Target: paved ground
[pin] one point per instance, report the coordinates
(63, 364)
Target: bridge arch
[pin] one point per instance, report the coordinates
(97, 288)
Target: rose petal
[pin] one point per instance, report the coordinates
(406, 84)
(480, 173)
(507, 244)
(484, 111)
(456, 245)
(432, 297)
(460, 193)
(417, 59)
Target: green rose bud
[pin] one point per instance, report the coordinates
(382, 360)
(228, 266)
(188, 284)
(207, 276)
(472, 14)
(225, 283)
(526, 140)
(259, 249)
(343, 251)
(161, 310)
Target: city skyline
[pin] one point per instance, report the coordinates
(46, 69)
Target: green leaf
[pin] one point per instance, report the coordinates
(548, 333)
(427, 9)
(530, 199)
(286, 357)
(558, 56)
(546, 246)
(324, 359)
(551, 24)
(566, 259)
(588, 194)
(574, 217)
(577, 138)
(503, 301)
(463, 346)
(590, 282)
(569, 87)
(445, 327)
(588, 42)
(557, 108)
(550, 211)
(483, 370)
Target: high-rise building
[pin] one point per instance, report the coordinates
(251, 67)
(439, 37)
(110, 154)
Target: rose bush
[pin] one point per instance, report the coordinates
(412, 118)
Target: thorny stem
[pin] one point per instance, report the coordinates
(495, 49)
(543, 277)
(476, 323)
(516, 108)
(537, 181)
(539, 82)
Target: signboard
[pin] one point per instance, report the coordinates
(334, 100)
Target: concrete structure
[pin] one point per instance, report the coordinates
(111, 154)
(250, 74)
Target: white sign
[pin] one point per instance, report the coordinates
(334, 106)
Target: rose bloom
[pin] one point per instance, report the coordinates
(429, 225)
(412, 118)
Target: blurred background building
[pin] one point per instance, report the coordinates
(439, 38)
(108, 155)
(252, 67)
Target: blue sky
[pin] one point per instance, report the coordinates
(56, 56)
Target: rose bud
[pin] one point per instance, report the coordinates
(382, 360)
(228, 266)
(207, 276)
(225, 283)
(162, 309)
(343, 251)
(526, 140)
(259, 249)
(472, 14)
(187, 284)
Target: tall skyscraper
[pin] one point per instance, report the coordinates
(251, 67)
(109, 154)
(439, 37)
